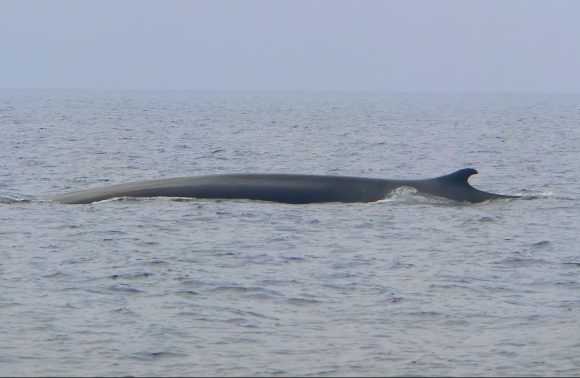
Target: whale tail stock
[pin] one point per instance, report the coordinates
(455, 186)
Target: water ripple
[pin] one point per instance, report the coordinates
(411, 285)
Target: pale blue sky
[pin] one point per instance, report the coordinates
(473, 46)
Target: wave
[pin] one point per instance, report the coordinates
(408, 195)
(527, 195)
(403, 195)
(8, 199)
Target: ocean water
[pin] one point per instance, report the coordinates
(410, 285)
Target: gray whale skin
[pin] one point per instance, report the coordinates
(286, 188)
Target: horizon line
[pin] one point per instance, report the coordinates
(385, 91)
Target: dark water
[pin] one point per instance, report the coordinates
(407, 286)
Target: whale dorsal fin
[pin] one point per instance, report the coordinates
(455, 186)
(460, 176)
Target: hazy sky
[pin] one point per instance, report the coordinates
(432, 45)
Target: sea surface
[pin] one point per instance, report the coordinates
(411, 285)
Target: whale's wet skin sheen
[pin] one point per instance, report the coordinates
(285, 188)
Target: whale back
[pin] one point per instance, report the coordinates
(285, 188)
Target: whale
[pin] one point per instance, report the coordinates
(286, 188)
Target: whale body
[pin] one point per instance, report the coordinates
(285, 188)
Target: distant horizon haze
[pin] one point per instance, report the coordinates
(257, 45)
(233, 90)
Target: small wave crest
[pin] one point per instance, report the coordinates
(7, 200)
(410, 195)
(530, 195)
(141, 199)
